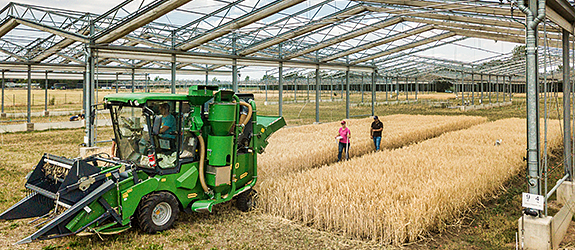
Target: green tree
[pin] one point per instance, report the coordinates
(268, 77)
(518, 51)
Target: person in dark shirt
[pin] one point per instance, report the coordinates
(376, 128)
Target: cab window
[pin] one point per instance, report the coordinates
(165, 131)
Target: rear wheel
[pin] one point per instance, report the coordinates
(157, 212)
(247, 200)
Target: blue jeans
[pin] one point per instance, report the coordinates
(342, 146)
(377, 142)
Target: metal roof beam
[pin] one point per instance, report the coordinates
(205, 17)
(518, 32)
(443, 60)
(449, 18)
(148, 54)
(389, 39)
(69, 58)
(563, 8)
(325, 21)
(434, 64)
(237, 23)
(52, 50)
(508, 63)
(63, 33)
(398, 56)
(404, 47)
(15, 50)
(501, 10)
(497, 36)
(80, 68)
(143, 40)
(8, 25)
(138, 19)
(19, 57)
(350, 35)
(284, 19)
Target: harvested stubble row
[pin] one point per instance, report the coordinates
(297, 149)
(399, 195)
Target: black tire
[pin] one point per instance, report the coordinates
(247, 200)
(157, 212)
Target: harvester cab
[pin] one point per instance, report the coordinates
(172, 152)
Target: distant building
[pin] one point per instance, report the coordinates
(21, 85)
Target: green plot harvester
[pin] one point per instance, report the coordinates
(171, 152)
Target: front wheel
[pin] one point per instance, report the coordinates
(247, 200)
(157, 212)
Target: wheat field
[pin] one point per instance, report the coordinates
(397, 196)
(297, 149)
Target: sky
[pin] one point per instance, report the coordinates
(458, 51)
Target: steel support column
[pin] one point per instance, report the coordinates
(147, 83)
(407, 87)
(506, 88)
(29, 92)
(116, 82)
(497, 88)
(89, 138)
(533, 145)
(331, 86)
(341, 96)
(307, 79)
(566, 107)
(387, 87)
(481, 81)
(489, 88)
(416, 88)
(462, 93)
(347, 93)
(397, 89)
(235, 75)
(133, 81)
(317, 93)
(472, 89)
(173, 73)
(46, 94)
(295, 90)
(84, 87)
(173, 65)
(280, 88)
(235, 69)
(373, 93)
(362, 87)
(3, 86)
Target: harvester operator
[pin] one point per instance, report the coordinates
(168, 122)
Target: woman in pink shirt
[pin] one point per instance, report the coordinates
(343, 137)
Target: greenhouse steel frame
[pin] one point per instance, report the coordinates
(376, 37)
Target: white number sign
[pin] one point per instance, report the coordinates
(533, 201)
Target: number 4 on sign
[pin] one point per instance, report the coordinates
(533, 201)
